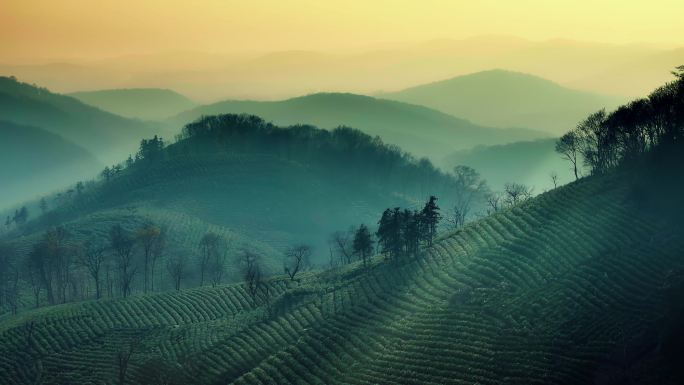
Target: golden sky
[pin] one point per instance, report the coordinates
(89, 29)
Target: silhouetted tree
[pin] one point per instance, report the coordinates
(341, 243)
(158, 248)
(150, 150)
(569, 147)
(106, 173)
(147, 235)
(554, 178)
(430, 217)
(251, 268)
(122, 244)
(515, 193)
(176, 268)
(363, 243)
(469, 186)
(209, 249)
(92, 257)
(43, 206)
(296, 259)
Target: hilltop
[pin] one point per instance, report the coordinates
(419, 130)
(107, 135)
(140, 103)
(262, 186)
(571, 286)
(34, 161)
(507, 99)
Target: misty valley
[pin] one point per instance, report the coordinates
(406, 214)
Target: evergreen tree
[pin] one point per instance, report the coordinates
(363, 243)
(430, 219)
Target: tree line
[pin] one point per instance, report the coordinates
(604, 141)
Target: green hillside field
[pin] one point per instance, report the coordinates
(569, 287)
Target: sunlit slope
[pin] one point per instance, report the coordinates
(419, 130)
(552, 291)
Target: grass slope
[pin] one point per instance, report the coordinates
(34, 161)
(109, 136)
(566, 288)
(507, 99)
(418, 130)
(140, 103)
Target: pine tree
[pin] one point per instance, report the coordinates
(363, 243)
(430, 218)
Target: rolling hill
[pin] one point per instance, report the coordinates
(140, 103)
(34, 161)
(507, 99)
(570, 287)
(108, 136)
(418, 130)
(264, 187)
(529, 162)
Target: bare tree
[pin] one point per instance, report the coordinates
(296, 259)
(341, 242)
(123, 358)
(176, 268)
(251, 272)
(494, 201)
(157, 253)
(469, 186)
(554, 178)
(218, 263)
(515, 193)
(147, 236)
(122, 244)
(569, 147)
(209, 248)
(92, 257)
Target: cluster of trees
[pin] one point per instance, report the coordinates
(401, 232)
(605, 140)
(59, 268)
(343, 152)
(19, 218)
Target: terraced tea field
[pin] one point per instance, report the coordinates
(561, 289)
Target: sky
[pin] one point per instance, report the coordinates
(35, 30)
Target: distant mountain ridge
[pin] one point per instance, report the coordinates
(34, 161)
(502, 98)
(109, 136)
(417, 129)
(140, 103)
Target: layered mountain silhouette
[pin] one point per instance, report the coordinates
(507, 99)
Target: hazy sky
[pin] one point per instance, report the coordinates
(31, 29)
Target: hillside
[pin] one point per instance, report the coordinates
(530, 163)
(264, 187)
(570, 287)
(34, 161)
(108, 136)
(140, 103)
(507, 99)
(418, 130)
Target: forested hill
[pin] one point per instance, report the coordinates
(263, 187)
(416, 129)
(107, 135)
(34, 161)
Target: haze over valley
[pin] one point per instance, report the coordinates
(301, 192)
